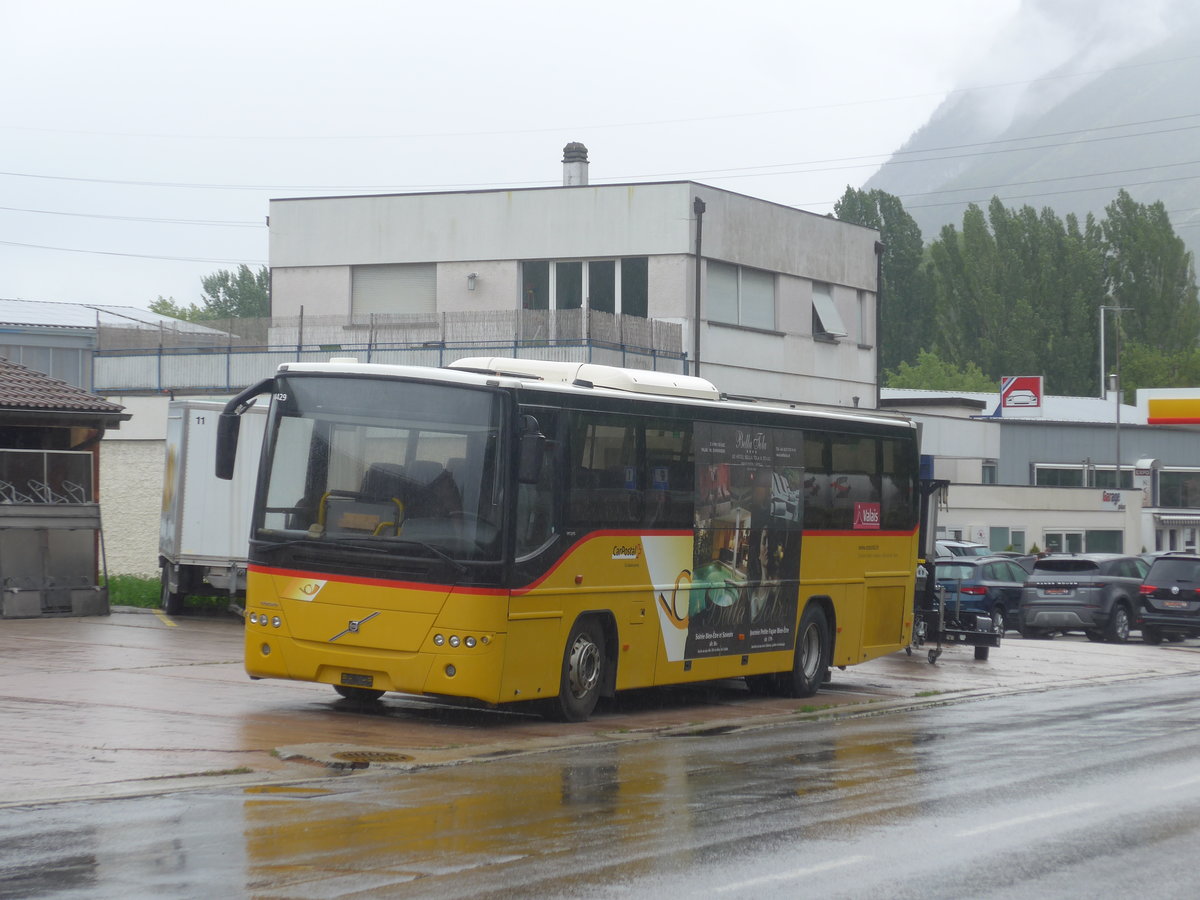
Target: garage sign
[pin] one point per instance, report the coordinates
(1021, 394)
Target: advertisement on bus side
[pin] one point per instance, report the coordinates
(746, 556)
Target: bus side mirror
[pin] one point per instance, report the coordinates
(533, 448)
(229, 425)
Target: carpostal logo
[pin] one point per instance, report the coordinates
(626, 552)
(866, 516)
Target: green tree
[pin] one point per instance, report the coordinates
(906, 313)
(241, 295)
(1016, 292)
(244, 294)
(1143, 366)
(935, 374)
(166, 306)
(1151, 273)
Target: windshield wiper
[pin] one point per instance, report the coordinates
(442, 554)
(355, 543)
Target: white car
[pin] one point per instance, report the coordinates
(961, 548)
(1020, 398)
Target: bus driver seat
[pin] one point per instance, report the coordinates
(376, 508)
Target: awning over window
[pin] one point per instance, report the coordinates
(1167, 519)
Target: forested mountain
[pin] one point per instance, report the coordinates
(1067, 139)
(1042, 191)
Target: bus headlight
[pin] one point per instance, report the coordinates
(470, 641)
(454, 640)
(276, 621)
(438, 640)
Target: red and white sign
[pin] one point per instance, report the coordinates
(1021, 393)
(866, 516)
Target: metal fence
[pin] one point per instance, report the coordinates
(246, 350)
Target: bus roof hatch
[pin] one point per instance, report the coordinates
(638, 381)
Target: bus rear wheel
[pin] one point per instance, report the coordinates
(814, 648)
(582, 675)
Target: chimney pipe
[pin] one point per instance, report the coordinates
(575, 164)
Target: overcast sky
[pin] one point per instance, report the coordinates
(141, 141)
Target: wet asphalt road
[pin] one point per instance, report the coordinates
(1070, 793)
(140, 762)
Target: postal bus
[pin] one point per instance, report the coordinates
(538, 532)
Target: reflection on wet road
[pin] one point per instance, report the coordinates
(1056, 794)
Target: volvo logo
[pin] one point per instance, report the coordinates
(352, 626)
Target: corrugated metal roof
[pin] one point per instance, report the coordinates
(86, 315)
(25, 389)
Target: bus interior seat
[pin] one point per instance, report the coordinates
(376, 507)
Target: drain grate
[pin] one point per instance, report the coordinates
(370, 756)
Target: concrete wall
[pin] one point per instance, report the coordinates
(132, 461)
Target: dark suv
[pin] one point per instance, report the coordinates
(981, 584)
(1095, 593)
(1170, 599)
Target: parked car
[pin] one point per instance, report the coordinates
(1024, 560)
(982, 584)
(961, 548)
(1096, 593)
(1170, 598)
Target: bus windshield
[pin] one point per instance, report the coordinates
(383, 465)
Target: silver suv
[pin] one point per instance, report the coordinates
(1096, 593)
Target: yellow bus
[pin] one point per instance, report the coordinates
(537, 532)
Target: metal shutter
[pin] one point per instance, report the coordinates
(400, 288)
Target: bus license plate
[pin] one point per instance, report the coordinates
(353, 680)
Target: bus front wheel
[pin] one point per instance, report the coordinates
(814, 648)
(582, 675)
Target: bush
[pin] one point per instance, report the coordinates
(132, 590)
(146, 593)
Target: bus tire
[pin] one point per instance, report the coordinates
(813, 651)
(582, 677)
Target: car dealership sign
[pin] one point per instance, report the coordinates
(1021, 395)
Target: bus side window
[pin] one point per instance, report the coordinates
(899, 494)
(536, 508)
(854, 478)
(605, 489)
(818, 507)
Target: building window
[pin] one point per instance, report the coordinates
(1058, 476)
(1064, 541)
(1179, 489)
(1016, 540)
(1105, 477)
(987, 472)
(826, 323)
(598, 284)
(740, 295)
(68, 364)
(863, 324)
(635, 286)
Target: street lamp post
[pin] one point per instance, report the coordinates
(1115, 384)
(1103, 309)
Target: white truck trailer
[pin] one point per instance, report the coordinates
(205, 528)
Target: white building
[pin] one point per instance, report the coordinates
(773, 301)
(1049, 476)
